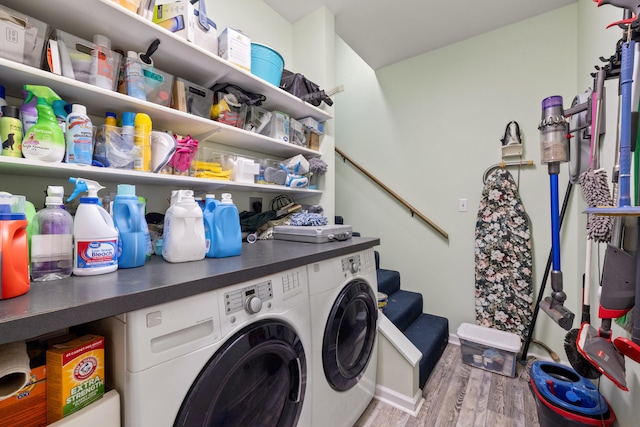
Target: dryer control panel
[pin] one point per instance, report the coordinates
(351, 264)
(249, 298)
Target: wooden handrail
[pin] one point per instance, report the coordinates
(413, 210)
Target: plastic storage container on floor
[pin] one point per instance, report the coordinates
(183, 238)
(52, 239)
(226, 235)
(489, 349)
(132, 245)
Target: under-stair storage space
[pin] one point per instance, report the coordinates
(428, 333)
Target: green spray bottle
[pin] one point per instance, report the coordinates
(44, 140)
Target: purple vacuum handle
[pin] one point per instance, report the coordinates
(626, 81)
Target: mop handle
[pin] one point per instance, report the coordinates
(626, 80)
(555, 222)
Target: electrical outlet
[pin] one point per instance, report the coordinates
(255, 204)
(462, 205)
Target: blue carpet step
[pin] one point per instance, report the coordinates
(403, 308)
(430, 335)
(388, 281)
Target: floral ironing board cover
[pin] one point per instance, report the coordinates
(503, 263)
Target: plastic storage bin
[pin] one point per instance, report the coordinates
(76, 52)
(23, 38)
(212, 164)
(489, 349)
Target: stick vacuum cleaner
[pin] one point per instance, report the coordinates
(554, 149)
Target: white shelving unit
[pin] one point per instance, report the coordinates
(175, 55)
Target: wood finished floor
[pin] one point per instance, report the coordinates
(462, 396)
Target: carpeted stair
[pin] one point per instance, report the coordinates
(427, 332)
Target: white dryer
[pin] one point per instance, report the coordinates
(344, 313)
(237, 356)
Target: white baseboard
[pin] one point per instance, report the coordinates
(409, 405)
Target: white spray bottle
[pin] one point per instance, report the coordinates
(94, 235)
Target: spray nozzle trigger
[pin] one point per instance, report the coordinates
(82, 185)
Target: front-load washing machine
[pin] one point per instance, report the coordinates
(236, 356)
(344, 313)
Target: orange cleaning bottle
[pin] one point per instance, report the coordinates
(14, 248)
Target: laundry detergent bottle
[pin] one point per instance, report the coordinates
(210, 205)
(14, 251)
(94, 235)
(227, 235)
(126, 217)
(52, 239)
(183, 238)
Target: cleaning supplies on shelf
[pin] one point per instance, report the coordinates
(102, 63)
(28, 111)
(226, 235)
(208, 216)
(79, 136)
(142, 204)
(44, 140)
(134, 76)
(126, 217)
(52, 240)
(3, 101)
(183, 238)
(94, 234)
(14, 252)
(142, 140)
(11, 131)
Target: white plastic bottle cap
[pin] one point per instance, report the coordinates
(79, 108)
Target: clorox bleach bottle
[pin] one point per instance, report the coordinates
(226, 235)
(94, 234)
(183, 237)
(132, 246)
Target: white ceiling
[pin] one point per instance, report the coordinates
(384, 32)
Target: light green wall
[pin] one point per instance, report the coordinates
(428, 127)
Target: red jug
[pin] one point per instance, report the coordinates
(14, 249)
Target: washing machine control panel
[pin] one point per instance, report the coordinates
(249, 298)
(351, 264)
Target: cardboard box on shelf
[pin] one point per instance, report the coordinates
(181, 18)
(28, 407)
(235, 47)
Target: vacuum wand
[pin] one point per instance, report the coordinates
(554, 150)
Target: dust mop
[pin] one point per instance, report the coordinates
(553, 151)
(596, 346)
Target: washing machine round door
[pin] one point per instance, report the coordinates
(257, 378)
(349, 335)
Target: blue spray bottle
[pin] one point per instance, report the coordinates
(126, 216)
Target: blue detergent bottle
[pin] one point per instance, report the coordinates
(226, 236)
(210, 205)
(126, 217)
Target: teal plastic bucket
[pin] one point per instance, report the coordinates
(266, 63)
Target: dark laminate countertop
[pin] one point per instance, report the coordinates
(49, 306)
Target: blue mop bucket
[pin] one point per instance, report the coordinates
(266, 63)
(565, 399)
